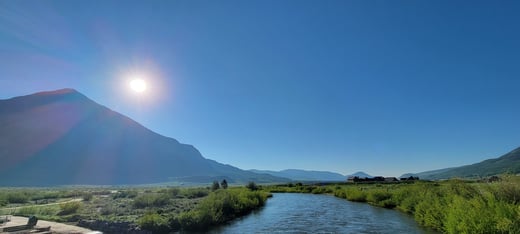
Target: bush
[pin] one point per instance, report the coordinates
(220, 207)
(125, 194)
(87, 196)
(252, 186)
(195, 192)
(215, 185)
(69, 208)
(154, 222)
(224, 184)
(17, 197)
(340, 193)
(151, 200)
(356, 194)
(174, 192)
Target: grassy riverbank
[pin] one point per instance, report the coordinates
(453, 206)
(160, 210)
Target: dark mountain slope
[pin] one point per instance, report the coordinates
(62, 137)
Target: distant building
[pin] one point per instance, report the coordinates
(391, 179)
(357, 179)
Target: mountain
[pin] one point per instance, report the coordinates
(62, 137)
(303, 175)
(507, 163)
(361, 174)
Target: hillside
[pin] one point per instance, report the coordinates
(361, 174)
(507, 163)
(304, 175)
(62, 137)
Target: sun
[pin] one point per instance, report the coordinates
(138, 85)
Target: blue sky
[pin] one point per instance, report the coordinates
(385, 87)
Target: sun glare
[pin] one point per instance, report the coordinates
(138, 85)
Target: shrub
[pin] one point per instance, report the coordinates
(355, 194)
(69, 208)
(151, 200)
(340, 193)
(87, 196)
(215, 185)
(224, 184)
(380, 198)
(221, 206)
(125, 194)
(174, 192)
(154, 222)
(507, 190)
(195, 192)
(252, 186)
(17, 197)
(430, 212)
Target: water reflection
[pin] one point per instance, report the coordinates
(309, 213)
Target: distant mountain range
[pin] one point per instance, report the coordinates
(360, 174)
(508, 163)
(62, 137)
(304, 175)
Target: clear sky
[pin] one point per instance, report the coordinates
(385, 87)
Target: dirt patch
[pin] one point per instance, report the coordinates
(55, 227)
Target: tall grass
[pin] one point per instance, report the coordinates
(218, 207)
(454, 206)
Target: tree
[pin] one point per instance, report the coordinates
(223, 184)
(252, 186)
(215, 186)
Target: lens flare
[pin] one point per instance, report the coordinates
(138, 85)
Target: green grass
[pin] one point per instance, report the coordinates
(453, 206)
(217, 208)
(161, 210)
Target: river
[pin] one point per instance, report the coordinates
(309, 213)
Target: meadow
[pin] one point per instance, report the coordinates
(160, 210)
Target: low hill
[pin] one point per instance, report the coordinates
(62, 137)
(507, 163)
(361, 174)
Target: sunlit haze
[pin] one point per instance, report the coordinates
(384, 87)
(138, 85)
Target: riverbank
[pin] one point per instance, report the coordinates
(160, 210)
(452, 206)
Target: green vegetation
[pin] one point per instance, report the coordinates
(215, 186)
(453, 206)
(160, 210)
(218, 207)
(69, 208)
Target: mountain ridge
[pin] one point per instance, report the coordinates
(310, 175)
(62, 137)
(507, 163)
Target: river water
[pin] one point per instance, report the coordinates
(309, 213)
